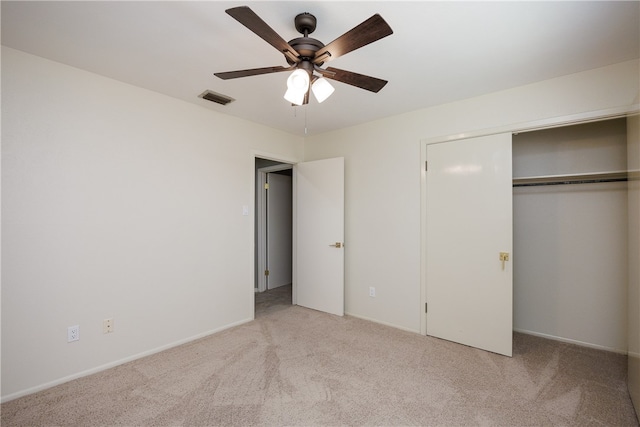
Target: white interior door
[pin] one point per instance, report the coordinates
(319, 264)
(469, 223)
(279, 230)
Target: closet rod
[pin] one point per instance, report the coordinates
(589, 178)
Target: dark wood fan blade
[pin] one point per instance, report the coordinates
(367, 32)
(354, 79)
(248, 18)
(252, 72)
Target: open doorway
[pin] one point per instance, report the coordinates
(273, 236)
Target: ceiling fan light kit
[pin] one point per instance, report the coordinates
(306, 55)
(298, 87)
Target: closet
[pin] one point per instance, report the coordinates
(570, 234)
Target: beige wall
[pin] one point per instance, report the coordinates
(633, 158)
(119, 203)
(383, 178)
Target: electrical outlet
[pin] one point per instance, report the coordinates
(107, 326)
(73, 333)
(372, 291)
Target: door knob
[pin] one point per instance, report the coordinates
(337, 245)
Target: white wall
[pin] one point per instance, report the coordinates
(119, 203)
(383, 177)
(570, 241)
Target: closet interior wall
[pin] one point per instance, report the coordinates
(570, 240)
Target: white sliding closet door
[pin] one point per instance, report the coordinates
(469, 224)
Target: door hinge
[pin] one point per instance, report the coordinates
(266, 185)
(426, 165)
(266, 272)
(425, 307)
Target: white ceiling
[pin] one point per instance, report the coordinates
(439, 52)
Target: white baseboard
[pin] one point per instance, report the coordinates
(570, 341)
(382, 323)
(115, 363)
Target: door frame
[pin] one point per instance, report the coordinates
(261, 211)
(253, 204)
(574, 119)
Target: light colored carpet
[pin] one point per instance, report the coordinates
(294, 366)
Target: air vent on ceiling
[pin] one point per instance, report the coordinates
(218, 98)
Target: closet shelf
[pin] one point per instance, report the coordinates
(586, 178)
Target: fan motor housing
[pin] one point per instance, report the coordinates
(306, 47)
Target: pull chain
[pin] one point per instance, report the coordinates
(295, 115)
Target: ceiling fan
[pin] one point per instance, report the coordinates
(306, 55)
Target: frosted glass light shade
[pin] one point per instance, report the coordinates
(297, 87)
(298, 80)
(294, 96)
(322, 89)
